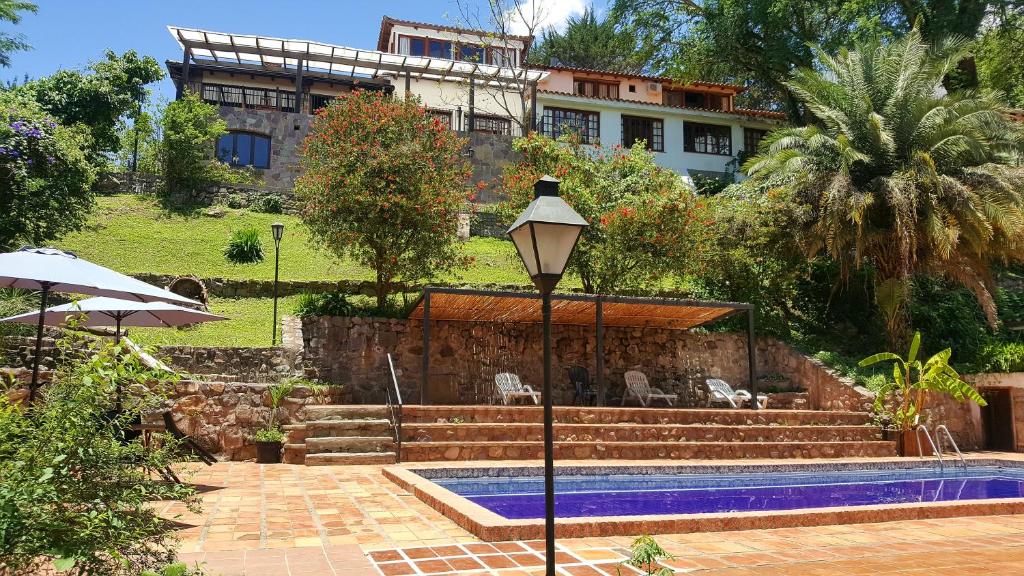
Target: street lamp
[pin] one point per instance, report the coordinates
(278, 230)
(545, 235)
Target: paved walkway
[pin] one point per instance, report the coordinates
(349, 520)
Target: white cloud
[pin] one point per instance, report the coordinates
(546, 13)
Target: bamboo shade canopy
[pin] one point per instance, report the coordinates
(458, 305)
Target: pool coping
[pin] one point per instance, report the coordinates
(492, 527)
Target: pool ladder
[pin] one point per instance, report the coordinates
(941, 433)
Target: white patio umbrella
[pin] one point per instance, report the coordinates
(51, 270)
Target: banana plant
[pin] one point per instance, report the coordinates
(912, 381)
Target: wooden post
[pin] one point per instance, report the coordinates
(298, 87)
(472, 104)
(533, 115)
(183, 85)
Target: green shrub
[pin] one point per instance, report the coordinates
(324, 304)
(245, 247)
(1001, 357)
(268, 205)
(236, 201)
(268, 435)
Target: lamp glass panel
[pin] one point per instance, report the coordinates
(524, 244)
(554, 244)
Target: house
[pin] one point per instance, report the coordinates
(267, 89)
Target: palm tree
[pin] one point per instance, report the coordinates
(898, 174)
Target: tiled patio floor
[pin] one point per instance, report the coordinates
(283, 519)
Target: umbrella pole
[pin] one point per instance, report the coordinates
(39, 340)
(117, 340)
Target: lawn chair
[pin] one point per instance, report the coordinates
(721, 391)
(511, 388)
(584, 394)
(193, 446)
(637, 385)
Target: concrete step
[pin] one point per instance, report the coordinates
(615, 415)
(336, 428)
(332, 459)
(294, 454)
(451, 451)
(345, 412)
(495, 432)
(349, 445)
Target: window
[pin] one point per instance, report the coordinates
(595, 89)
(434, 48)
(632, 87)
(445, 116)
(244, 149)
(649, 129)
(559, 121)
(492, 124)
(471, 53)
(440, 49)
(503, 57)
(694, 100)
(751, 139)
(318, 101)
(707, 138)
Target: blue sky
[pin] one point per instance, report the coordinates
(72, 33)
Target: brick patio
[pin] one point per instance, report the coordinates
(284, 519)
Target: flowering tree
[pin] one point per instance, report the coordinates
(644, 221)
(384, 182)
(45, 177)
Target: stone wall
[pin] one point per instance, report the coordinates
(465, 357)
(286, 131)
(491, 152)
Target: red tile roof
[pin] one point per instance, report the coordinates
(770, 114)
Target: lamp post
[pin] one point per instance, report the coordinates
(278, 230)
(545, 235)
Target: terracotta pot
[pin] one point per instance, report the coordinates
(906, 444)
(268, 452)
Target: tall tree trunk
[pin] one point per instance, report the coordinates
(892, 294)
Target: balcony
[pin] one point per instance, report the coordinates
(249, 98)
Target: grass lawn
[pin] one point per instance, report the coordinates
(132, 234)
(248, 324)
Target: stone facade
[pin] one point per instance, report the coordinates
(286, 131)
(491, 152)
(464, 358)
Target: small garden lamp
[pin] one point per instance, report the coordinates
(277, 229)
(545, 235)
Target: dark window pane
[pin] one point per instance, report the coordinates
(243, 149)
(707, 138)
(471, 53)
(417, 47)
(558, 121)
(695, 100)
(440, 49)
(224, 147)
(261, 152)
(650, 130)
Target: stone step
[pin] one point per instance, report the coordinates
(345, 412)
(329, 428)
(616, 415)
(451, 451)
(294, 454)
(494, 432)
(295, 433)
(334, 459)
(350, 444)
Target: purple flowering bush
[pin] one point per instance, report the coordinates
(45, 176)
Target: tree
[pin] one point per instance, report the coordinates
(45, 177)
(384, 183)
(758, 43)
(898, 176)
(589, 43)
(1000, 66)
(190, 129)
(115, 88)
(645, 224)
(11, 11)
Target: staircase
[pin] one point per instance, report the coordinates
(334, 434)
(449, 433)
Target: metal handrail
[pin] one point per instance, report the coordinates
(396, 416)
(935, 449)
(952, 442)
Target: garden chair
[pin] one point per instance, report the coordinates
(637, 385)
(721, 391)
(511, 388)
(193, 446)
(584, 394)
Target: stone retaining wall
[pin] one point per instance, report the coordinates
(465, 357)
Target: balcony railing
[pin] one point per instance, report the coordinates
(318, 101)
(251, 98)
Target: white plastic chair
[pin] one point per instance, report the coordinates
(511, 388)
(720, 390)
(637, 385)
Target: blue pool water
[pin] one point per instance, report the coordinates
(632, 494)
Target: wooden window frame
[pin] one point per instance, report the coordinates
(495, 120)
(233, 134)
(656, 142)
(751, 150)
(591, 120)
(596, 90)
(697, 129)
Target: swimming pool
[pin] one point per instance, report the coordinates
(590, 495)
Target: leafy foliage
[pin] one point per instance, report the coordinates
(1000, 66)
(45, 177)
(245, 246)
(587, 42)
(645, 554)
(897, 175)
(269, 204)
(324, 304)
(644, 221)
(10, 11)
(384, 183)
(905, 397)
(73, 491)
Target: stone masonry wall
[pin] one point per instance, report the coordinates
(491, 152)
(286, 131)
(465, 357)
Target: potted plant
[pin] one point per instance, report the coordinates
(903, 398)
(270, 440)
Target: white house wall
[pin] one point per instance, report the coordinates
(452, 95)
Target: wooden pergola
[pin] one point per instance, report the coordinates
(505, 307)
